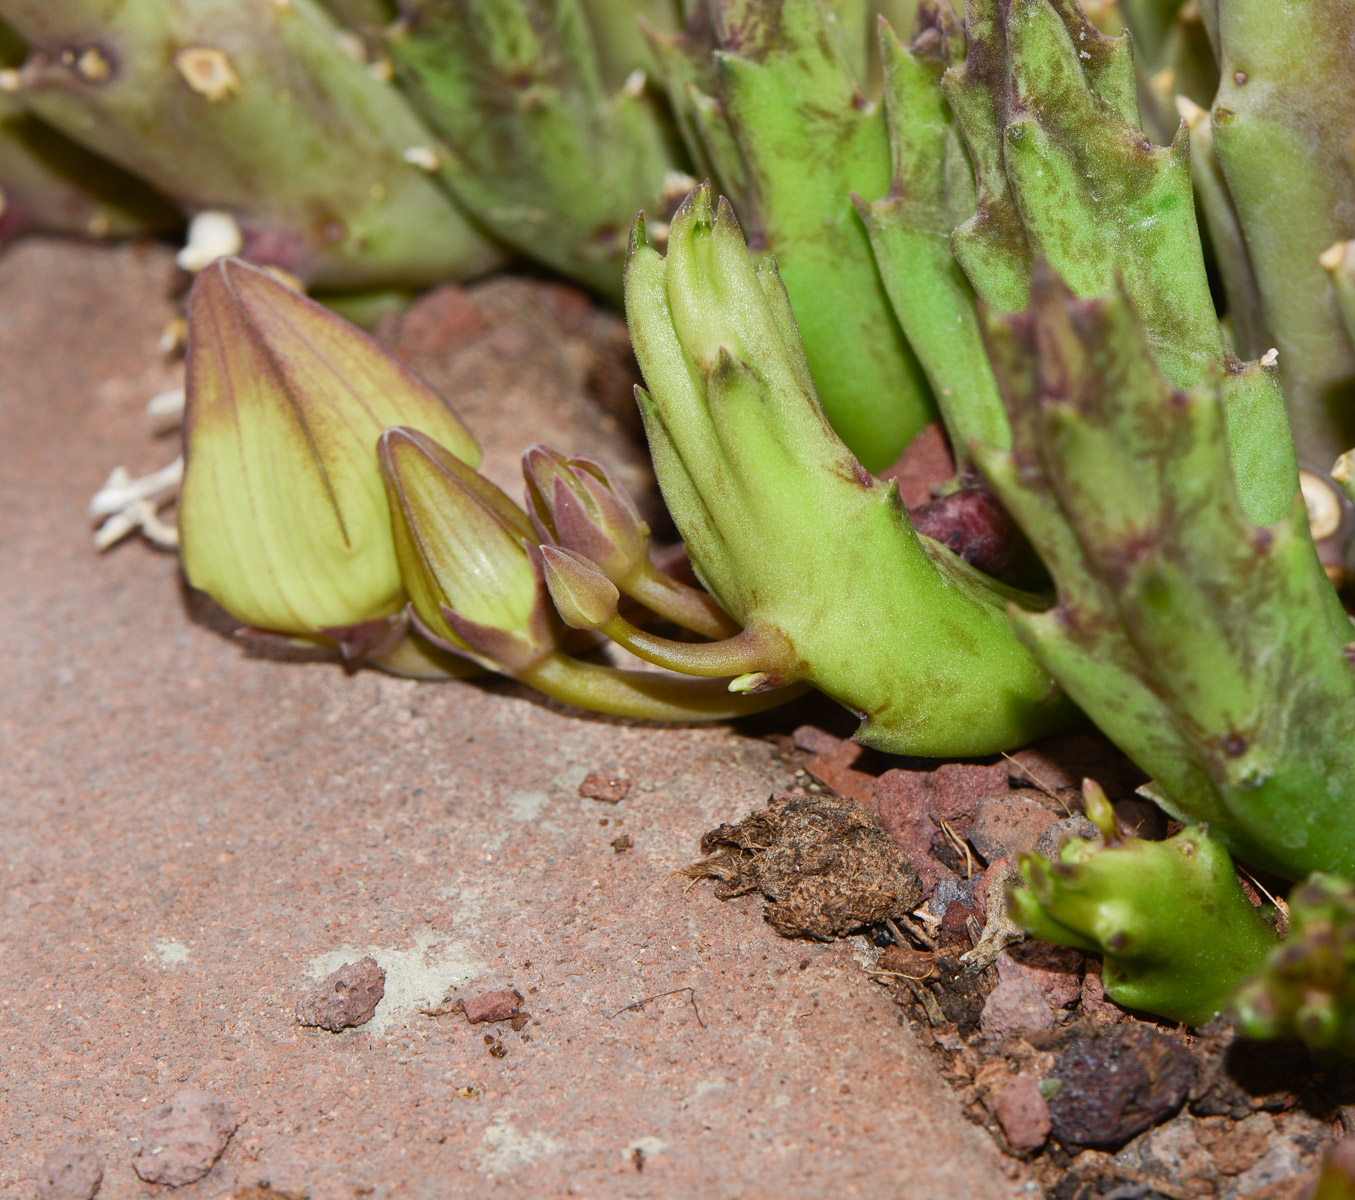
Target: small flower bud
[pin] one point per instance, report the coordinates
(584, 597)
(467, 554)
(575, 504)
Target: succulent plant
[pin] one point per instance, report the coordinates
(283, 518)
(469, 559)
(49, 184)
(1306, 989)
(535, 141)
(1285, 111)
(806, 550)
(1181, 958)
(576, 505)
(252, 109)
(771, 97)
(1194, 624)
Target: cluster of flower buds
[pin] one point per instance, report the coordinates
(331, 496)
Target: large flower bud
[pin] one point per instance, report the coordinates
(283, 516)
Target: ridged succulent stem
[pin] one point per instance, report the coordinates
(645, 695)
(680, 603)
(750, 650)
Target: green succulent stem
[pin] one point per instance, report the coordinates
(253, 109)
(748, 651)
(788, 530)
(678, 602)
(644, 695)
(1176, 932)
(1306, 988)
(770, 97)
(1194, 624)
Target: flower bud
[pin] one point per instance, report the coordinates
(584, 597)
(577, 505)
(467, 554)
(283, 518)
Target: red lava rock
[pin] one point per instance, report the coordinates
(493, 1006)
(444, 320)
(973, 524)
(344, 999)
(1016, 1005)
(1136, 817)
(820, 741)
(70, 1172)
(610, 789)
(1023, 1114)
(181, 1140)
(832, 763)
(953, 933)
(910, 806)
(1060, 763)
(1115, 1083)
(1008, 825)
(925, 461)
(1055, 970)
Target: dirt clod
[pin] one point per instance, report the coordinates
(1114, 1083)
(822, 862)
(181, 1139)
(1023, 1114)
(70, 1172)
(502, 1005)
(604, 786)
(344, 999)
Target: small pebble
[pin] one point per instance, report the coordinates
(1016, 1005)
(493, 1006)
(1023, 1114)
(1005, 826)
(1115, 1083)
(181, 1140)
(608, 788)
(70, 1172)
(1055, 970)
(344, 999)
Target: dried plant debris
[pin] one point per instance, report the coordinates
(823, 864)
